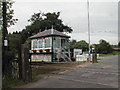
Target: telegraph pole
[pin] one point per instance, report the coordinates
(4, 9)
(4, 38)
(88, 28)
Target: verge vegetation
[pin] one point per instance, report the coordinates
(113, 53)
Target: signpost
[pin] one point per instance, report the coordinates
(77, 52)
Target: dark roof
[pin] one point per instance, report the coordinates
(50, 32)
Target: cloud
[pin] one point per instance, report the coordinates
(103, 16)
(94, 38)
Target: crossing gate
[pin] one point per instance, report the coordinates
(83, 57)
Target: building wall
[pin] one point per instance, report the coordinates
(44, 45)
(41, 57)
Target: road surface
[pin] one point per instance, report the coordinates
(99, 75)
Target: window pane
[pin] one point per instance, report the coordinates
(47, 42)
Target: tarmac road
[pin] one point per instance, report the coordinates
(99, 75)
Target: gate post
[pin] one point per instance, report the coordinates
(94, 54)
(26, 70)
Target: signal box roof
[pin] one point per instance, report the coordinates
(49, 32)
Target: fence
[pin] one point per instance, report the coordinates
(15, 69)
(84, 57)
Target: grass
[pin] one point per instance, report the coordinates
(98, 59)
(113, 53)
(9, 82)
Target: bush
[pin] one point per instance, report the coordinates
(104, 47)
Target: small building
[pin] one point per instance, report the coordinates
(50, 46)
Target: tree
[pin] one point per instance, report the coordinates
(53, 19)
(10, 12)
(6, 16)
(40, 22)
(6, 20)
(82, 45)
(0, 16)
(104, 47)
(79, 45)
(36, 17)
(72, 43)
(14, 43)
(0, 37)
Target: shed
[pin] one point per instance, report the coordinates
(50, 46)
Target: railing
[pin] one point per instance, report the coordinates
(65, 54)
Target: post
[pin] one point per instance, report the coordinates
(26, 69)
(88, 28)
(20, 61)
(4, 10)
(5, 62)
(94, 54)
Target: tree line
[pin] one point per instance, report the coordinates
(103, 47)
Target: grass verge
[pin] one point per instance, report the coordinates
(113, 53)
(9, 82)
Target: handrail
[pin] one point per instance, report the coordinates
(64, 53)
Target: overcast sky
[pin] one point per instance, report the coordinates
(103, 17)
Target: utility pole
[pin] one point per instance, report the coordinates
(4, 38)
(5, 32)
(88, 28)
